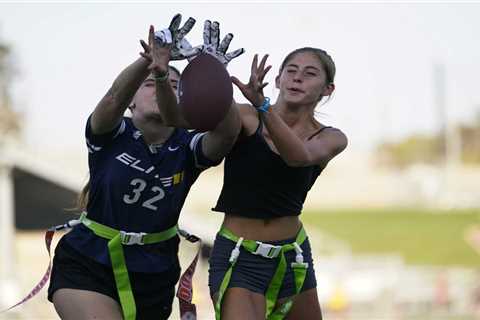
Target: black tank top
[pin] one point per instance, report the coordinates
(259, 184)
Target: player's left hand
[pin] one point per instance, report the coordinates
(211, 45)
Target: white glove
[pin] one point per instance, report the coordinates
(211, 37)
(181, 48)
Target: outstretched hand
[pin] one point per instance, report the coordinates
(157, 52)
(253, 90)
(181, 48)
(212, 45)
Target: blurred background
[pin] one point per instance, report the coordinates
(394, 220)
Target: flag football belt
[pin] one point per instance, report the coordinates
(271, 252)
(117, 239)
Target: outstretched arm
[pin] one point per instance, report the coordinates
(162, 46)
(109, 111)
(218, 142)
(160, 53)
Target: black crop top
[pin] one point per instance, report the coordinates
(259, 184)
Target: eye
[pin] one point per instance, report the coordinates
(311, 74)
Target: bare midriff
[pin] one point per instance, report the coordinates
(263, 229)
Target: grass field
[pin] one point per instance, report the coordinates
(422, 237)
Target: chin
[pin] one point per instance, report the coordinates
(294, 100)
(299, 99)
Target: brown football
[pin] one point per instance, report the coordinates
(205, 92)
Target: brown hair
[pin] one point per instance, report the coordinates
(82, 199)
(324, 58)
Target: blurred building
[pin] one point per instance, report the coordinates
(34, 194)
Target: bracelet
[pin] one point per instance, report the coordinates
(265, 106)
(161, 78)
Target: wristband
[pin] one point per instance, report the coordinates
(265, 106)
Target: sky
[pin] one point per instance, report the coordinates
(68, 54)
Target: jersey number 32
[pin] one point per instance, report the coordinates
(138, 186)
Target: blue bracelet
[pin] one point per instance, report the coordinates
(265, 106)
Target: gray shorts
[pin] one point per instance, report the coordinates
(254, 272)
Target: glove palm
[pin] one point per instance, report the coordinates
(175, 36)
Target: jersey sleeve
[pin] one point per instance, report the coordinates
(195, 145)
(95, 142)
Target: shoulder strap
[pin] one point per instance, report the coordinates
(318, 131)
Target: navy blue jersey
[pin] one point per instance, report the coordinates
(137, 187)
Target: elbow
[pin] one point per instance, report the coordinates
(307, 158)
(301, 160)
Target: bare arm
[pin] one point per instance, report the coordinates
(169, 109)
(297, 153)
(160, 53)
(218, 142)
(109, 111)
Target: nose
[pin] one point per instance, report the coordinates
(297, 77)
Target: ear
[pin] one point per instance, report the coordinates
(277, 82)
(329, 88)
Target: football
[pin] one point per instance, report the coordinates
(205, 92)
